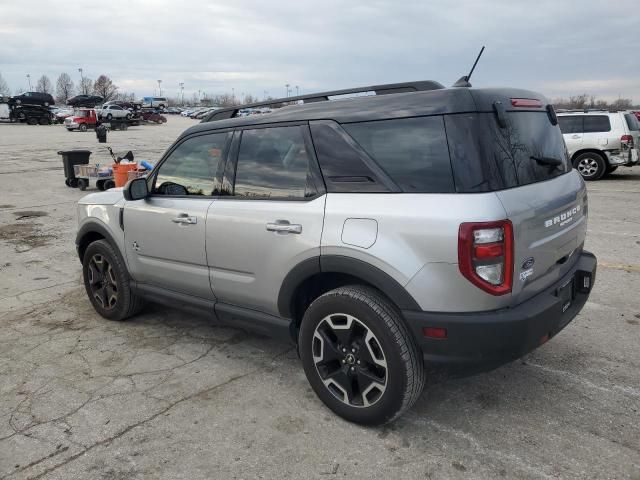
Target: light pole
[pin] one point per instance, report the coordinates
(29, 79)
(160, 87)
(233, 95)
(297, 91)
(182, 93)
(81, 81)
(287, 85)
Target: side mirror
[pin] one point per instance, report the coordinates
(136, 189)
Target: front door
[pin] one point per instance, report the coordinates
(271, 220)
(165, 233)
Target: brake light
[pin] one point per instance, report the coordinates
(485, 255)
(526, 103)
(627, 141)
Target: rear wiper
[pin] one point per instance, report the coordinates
(554, 162)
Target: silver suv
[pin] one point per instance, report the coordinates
(421, 225)
(600, 141)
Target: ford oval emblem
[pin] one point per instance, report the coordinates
(528, 263)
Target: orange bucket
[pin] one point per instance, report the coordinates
(121, 172)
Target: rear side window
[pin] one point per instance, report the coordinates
(632, 121)
(273, 163)
(412, 151)
(571, 123)
(596, 123)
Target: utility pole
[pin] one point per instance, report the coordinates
(82, 82)
(182, 93)
(287, 85)
(29, 78)
(265, 95)
(233, 95)
(160, 87)
(297, 91)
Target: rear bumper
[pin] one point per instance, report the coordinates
(485, 340)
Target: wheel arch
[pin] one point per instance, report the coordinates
(317, 275)
(590, 150)
(91, 232)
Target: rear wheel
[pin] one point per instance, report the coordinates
(83, 183)
(109, 116)
(109, 184)
(100, 185)
(590, 165)
(32, 121)
(43, 121)
(83, 127)
(107, 282)
(359, 357)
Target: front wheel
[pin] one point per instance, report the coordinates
(107, 282)
(590, 165)
(83, 127)
(359, 356)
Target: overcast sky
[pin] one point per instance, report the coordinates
(556, 47)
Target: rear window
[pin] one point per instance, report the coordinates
(596, 123)
(486, 157)
(632, 121)
(412, 151)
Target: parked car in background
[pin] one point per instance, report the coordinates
(113, 111)
(173, 110)
(600, 141)
(32, 98)
(156, 102)
(133, 106)
(88, 101)
(61, 113)
(152, 116)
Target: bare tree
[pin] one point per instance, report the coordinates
(86, 86)
(4, 87)
(125, 96)
(44, 85)
(622, 104)
(64, 88)
(105, 88)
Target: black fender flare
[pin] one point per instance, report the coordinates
(92, 227)
(347, 265)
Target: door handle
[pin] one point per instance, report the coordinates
(284, 226)
(185, 219)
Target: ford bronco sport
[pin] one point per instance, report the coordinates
(421, 225)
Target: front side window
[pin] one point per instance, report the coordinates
(571, 123)
(191, 168)
(274, 163)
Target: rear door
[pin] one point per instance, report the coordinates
(271, 218)
(572, 129)
(165, 233)
(598, 132)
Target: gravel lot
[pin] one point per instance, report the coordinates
(168, 395)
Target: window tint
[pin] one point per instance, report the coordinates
(632, 121)
(191, 167)
(412, 151)
(571, 123)
(273, 163)
(486, 157)
(596, 123)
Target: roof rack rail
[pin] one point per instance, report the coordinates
(324, 96)
(587, 110)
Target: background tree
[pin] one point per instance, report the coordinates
(105, 88)
(44, 85)
(64, 88)
(4, 88)
(86, 86)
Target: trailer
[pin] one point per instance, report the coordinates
(30, 114)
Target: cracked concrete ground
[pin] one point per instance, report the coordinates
(168, 395)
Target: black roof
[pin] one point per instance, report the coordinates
(435, 101)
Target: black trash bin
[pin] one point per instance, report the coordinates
(101, 133)
(71, 158)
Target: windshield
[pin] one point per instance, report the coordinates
(82, 113)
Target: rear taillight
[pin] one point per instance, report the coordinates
(526, 103)
(627, 141)
(485, 255)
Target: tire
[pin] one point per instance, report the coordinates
(109, 116)
(110, 294)
(73, 182)
(128, 116)
(69, 129)
(100, 185)
(67, 182)
(83, 127)
(109, 184)
(32, 121)
(43, 121)
(590, 165)
(83, 184)
(375, 343)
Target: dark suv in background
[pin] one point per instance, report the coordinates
(32, 98)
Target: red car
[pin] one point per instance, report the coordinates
(153, 117)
